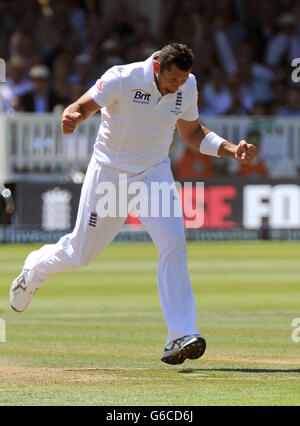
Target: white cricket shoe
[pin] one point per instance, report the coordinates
(22, 290)
(176, 352)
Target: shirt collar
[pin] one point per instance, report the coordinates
(148, 68)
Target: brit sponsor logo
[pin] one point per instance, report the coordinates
(141, 96)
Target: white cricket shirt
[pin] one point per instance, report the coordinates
(137, 122)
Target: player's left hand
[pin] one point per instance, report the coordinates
(245, 152)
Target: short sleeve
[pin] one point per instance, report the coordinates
(191, 112)
(107, 89)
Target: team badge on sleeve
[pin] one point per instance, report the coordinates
(99, 85)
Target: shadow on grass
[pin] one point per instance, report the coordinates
(239, 370)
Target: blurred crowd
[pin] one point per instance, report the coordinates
(243, 50)
(56, 49)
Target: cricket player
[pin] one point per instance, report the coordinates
(141, 104)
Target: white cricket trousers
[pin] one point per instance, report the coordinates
(92, 234)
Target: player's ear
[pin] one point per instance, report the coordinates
(156, 67)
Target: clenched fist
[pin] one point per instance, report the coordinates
(70, 121)
(245, 152)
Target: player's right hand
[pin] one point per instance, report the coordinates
(69, 122)
(245, 152)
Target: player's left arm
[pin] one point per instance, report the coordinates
(194, 134)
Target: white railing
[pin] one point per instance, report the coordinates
(33, 145)
(278, 136)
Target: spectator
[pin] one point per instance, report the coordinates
(41, 99)
(77, 21)
(224, 20)
(8, 21)
(183, 12)
(7, 99)
(60, 83)
(215, 92)
(223, 47)
(261, 24)
(285, 45)
(223, 95)
(17, 81)
(82, 74)
(240, 103)
(279, 90)
(259, 110)
(292, 107)
(256, 79)
(76, 90)
(203, 108)
(203, 47)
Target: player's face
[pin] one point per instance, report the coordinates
(170, 80)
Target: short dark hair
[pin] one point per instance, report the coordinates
(177, 54)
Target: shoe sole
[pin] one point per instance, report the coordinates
(193, 350)
(10, 295)
(20, 310)
(16, 310)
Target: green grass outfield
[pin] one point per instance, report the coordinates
(94, 336)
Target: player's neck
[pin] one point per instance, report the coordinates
(157, 83)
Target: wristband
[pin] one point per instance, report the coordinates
(210, 144)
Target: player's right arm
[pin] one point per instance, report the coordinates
(104, 92)
(78, 112)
